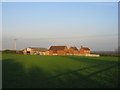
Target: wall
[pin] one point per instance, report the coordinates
(61, 52)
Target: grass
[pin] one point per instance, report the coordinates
(0, 70)
(35, 71)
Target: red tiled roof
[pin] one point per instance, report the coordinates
(74, 48)
(85, 48)
(55, 48)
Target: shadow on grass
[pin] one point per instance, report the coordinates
(15, 76)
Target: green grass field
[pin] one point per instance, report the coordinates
(27, 71)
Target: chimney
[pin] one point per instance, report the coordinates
(81, 46)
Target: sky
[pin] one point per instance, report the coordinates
(0, 25)
(60, 0)
(42, 24)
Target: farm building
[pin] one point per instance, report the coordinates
(73, 51)
(84, 50)
(58, 50)
(35, 51)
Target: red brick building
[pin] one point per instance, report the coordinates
(58, 50)
(84, 50)
(63, 50)
(73, 51)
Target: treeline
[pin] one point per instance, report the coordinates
(107, 53)
(11, 52)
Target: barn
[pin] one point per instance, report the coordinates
(35, 51)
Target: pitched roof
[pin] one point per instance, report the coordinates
(85, 48)
(74, 48)
(55, 48)
(39, 49)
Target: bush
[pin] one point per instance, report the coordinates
(19, 52)
(107, 54)
(9, 52)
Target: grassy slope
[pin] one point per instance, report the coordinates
(59, 71)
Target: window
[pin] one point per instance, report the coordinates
(28, 51)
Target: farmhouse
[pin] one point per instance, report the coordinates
(35, 51)
(58, 50)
